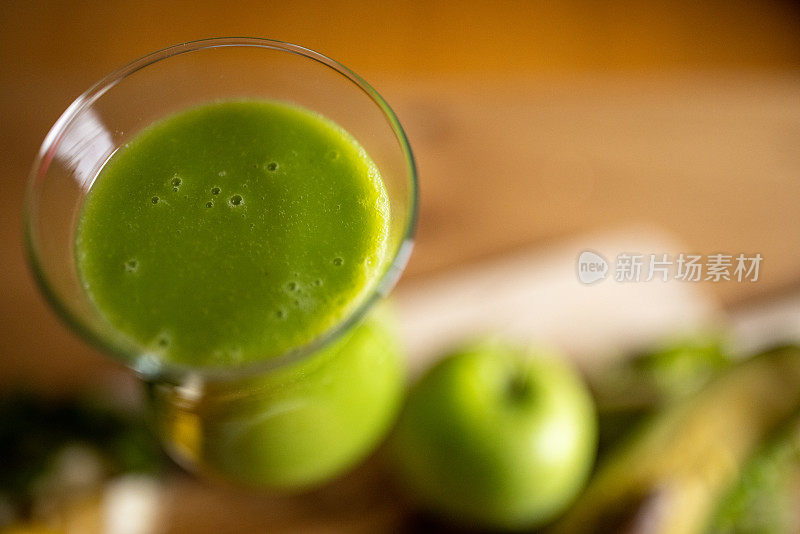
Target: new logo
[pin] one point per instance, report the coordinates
(592, 267)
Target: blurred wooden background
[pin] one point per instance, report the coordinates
(531, 121)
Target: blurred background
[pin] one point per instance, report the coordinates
(541, 129)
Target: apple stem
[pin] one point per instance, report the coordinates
(520, 387)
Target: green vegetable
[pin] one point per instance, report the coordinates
(33, 431)
(764, 500)
(670, 475)
(628, 394)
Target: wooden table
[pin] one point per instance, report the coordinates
(531, 124)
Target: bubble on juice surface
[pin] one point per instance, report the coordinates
(176, 183)
(155, 200)
(209, 204)
(338, 261)
(236, 200)
(280, 314)
(215, 190)
(222, 173)
(318, 282)
(132, 265)
(272, 166)
(292, 286)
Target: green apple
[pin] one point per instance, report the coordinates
(300, 425)
(496, 436)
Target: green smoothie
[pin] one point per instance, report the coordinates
(232, 232)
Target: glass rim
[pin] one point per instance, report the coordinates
(167, 370)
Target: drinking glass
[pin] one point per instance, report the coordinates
(286, 421)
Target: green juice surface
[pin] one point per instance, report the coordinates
(232, 232)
